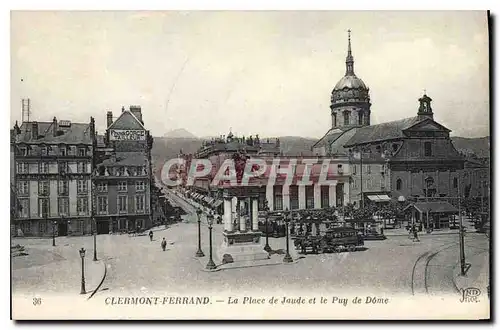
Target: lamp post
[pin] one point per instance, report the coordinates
(461, 230)
(199, 253)
(95, 238)
(53, 232)
(210, 220)
(287, 257)
(267, 248)
(82, 255)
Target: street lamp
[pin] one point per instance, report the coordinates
(199, 253)
(53, 232)
(267, 248)
(210, 220)
(95, 237)
(82, 255)
(287, 257)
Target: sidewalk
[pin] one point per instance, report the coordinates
(478, 275)
(63, 266)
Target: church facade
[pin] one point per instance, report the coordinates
(403, 159)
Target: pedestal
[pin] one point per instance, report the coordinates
(238, 246)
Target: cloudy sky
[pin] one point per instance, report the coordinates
(257, 72)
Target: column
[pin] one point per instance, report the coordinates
(331, 195)
(243, 224)
(270, 197)
(255, 214)
(286, 197)
(317, 196)
(228, 221)
(302, 197)
(347, 197)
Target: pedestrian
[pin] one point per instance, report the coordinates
(415, 235)
(151, 235)
(163, 244)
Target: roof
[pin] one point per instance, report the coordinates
(350, 81)
(127, 120)
(329, 137)
(385, 131)
(126, 159)
(433, 207)
(74, 134)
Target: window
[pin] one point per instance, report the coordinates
(42, 227)
(63, 167)
(455, 183)
(139, 186)
(43, 151)
(428, 149)
(62, 151)
(346, 118)
(368, 169)
(23, 151)
(325, 194)
(122, 186)
(102, 205)
(139, 203)
(22, 168)
(82, 205)
(43, 188)
(399, 184)
(102, 187)
(82, 152)
(121, 171)
(26, 226)
(81, 187)
(294, 197)
(334, 120)
(24, 207)
(63, 187)
(278, 198)
(309, 197)
(141, 170)
(73, 150)
(354, 167)
(81, 167)
(43, 207)
(394, 147)
(23, 188)
(122, 204)
(63, 205)
(43, 167)
(360, 118)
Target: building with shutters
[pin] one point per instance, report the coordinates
(51, 163)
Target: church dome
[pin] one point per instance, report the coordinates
(350, 82)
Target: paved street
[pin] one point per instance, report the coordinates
(138, 265)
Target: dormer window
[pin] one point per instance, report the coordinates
(43, 151)
(82, 152)
(62, 151)
(23, 151)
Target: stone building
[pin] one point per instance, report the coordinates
(52, 177)
(122, 174)
(407, 158)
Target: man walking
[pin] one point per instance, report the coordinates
(163, 244)
(151, 235)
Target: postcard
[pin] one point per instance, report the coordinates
(256, 165)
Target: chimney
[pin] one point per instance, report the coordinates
(109, 118)
(92, 128)
(34, 130)
(54, 126)
(136, 111)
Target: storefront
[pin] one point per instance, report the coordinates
(433, 215)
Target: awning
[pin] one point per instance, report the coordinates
(379, 198)
(433, 207)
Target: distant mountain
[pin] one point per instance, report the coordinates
(179, 133)
(478, 146)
